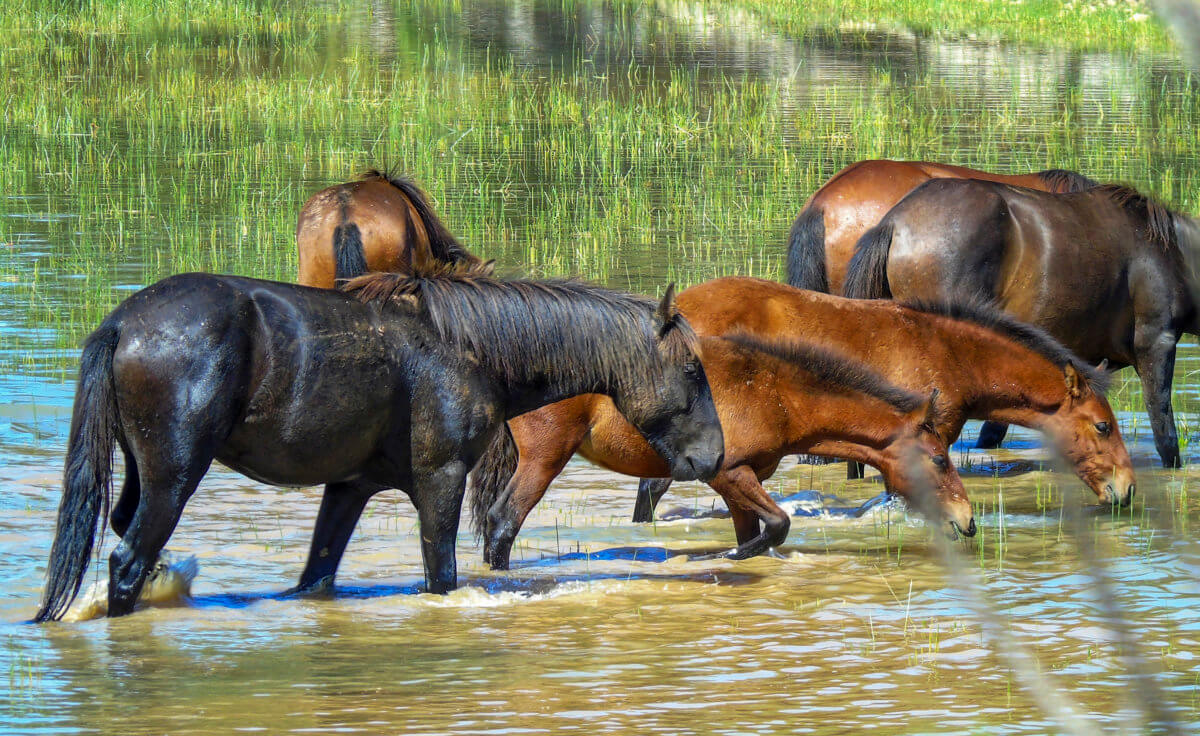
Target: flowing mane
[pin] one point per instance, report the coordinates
(1065, 180)
(525, 330)
(985, 314)
(836, 371)
(1160, 221)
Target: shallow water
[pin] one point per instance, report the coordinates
(602, 626)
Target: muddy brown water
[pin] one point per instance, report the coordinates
(603, 626)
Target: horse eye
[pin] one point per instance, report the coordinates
(1103, 428)
(940, 461)
(691, 368)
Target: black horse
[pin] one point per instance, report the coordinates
(400, 382)
(1105, 270)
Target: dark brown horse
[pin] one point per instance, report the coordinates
(773, 399)
(400, 382)
(1103, 270)
(985, 364)
(856, 198)
(378, 223)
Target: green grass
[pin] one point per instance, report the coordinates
(1127, 25)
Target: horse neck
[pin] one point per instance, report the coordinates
(850, 425)
(1005, 381)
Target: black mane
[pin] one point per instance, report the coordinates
(987, 315)
(833, 369)
(525, 330)
(1160, 221)
(1064, 180)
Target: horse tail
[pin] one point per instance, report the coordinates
(87, 477)
(444, 246)
(1065, 180)
(866, 277)
(349, 258)
(806, 252)
(490, 477)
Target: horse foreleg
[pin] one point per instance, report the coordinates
(650, 492)
(341, 505)
(743, 493)
(525, 489)
(1155, 355)
(438, 495)
(991, 434)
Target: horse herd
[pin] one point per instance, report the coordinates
(401, 362)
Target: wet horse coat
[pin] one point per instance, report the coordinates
(399, 383)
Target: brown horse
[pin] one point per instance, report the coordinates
(773, 399)
(856, 198)
(378, 223)
(985, 364)
(1102, 270)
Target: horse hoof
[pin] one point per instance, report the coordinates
(322, 588)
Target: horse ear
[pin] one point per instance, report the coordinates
(667, 311)
(929, 423)
(1103, 365)
(1075, 382)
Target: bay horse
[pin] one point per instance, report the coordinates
(398, 382)
(856, 198)
(378, 223)
(985, 365)
(1104, 270)
(773, 398)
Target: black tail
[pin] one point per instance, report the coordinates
(490, 477)
(806, 252)
(349, 259)
(866, 277)
(444, 246)
(1064, 180)
(87, 478)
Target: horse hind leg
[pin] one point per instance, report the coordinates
(163, 493)
(127, 502)
(341, 506)
(991, 434)
(650, 492)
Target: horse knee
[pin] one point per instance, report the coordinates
(776, 528)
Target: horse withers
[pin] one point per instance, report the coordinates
(399, 382)
(773, 398)
(377, 223)
(1104, 270)
(986, 365)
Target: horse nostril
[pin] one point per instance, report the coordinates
(1111, 491)
(971, 528)
(1132, 490)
